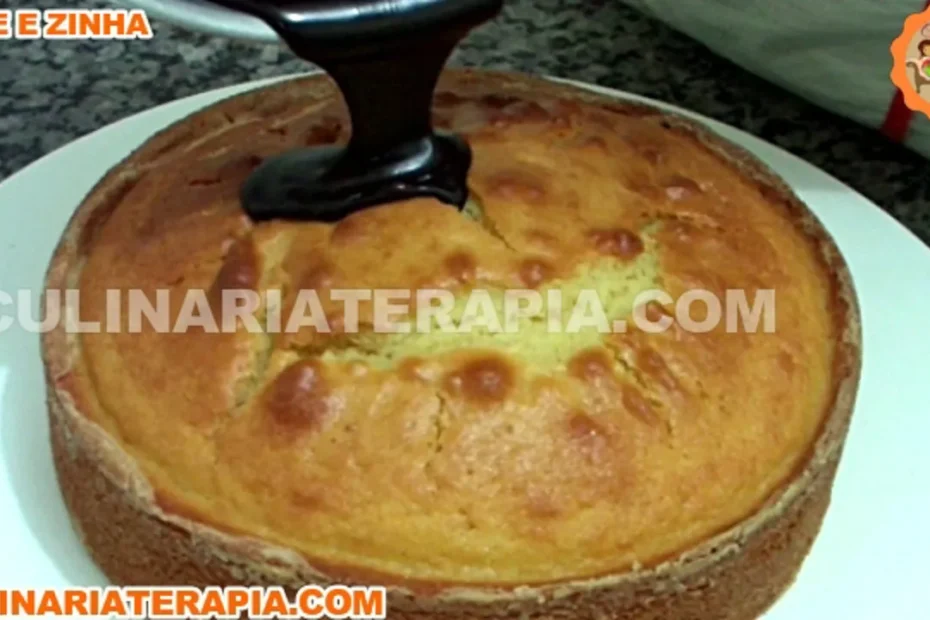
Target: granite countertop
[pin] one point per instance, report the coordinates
(54, 92)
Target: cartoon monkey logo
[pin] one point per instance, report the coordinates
(920, 66)
(911, 66)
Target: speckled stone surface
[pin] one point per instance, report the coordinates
(54, 92)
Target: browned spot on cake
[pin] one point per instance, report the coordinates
(461, 266)
(241, 271)
(786, 362)
(678, 188)
(583, 427)
(638, 406)
(591, 365)
(307, 500)
(534, 272)
(541, 504)
(297, 399)
(652, 363)
(517, 186)
(483, 380)
(619, 242)
(589, 435)
(326, 131)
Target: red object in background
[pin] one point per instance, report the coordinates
(898, 120)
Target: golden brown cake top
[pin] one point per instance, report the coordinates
(479, 457)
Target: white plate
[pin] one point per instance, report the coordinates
(206, 17)
(870, 560)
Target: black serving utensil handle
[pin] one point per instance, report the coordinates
(386, 57)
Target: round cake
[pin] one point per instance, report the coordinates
(476, 473)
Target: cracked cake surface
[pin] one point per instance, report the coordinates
(471, 459)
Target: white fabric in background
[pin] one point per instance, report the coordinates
(835, 53)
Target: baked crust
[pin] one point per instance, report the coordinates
(141, 530)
